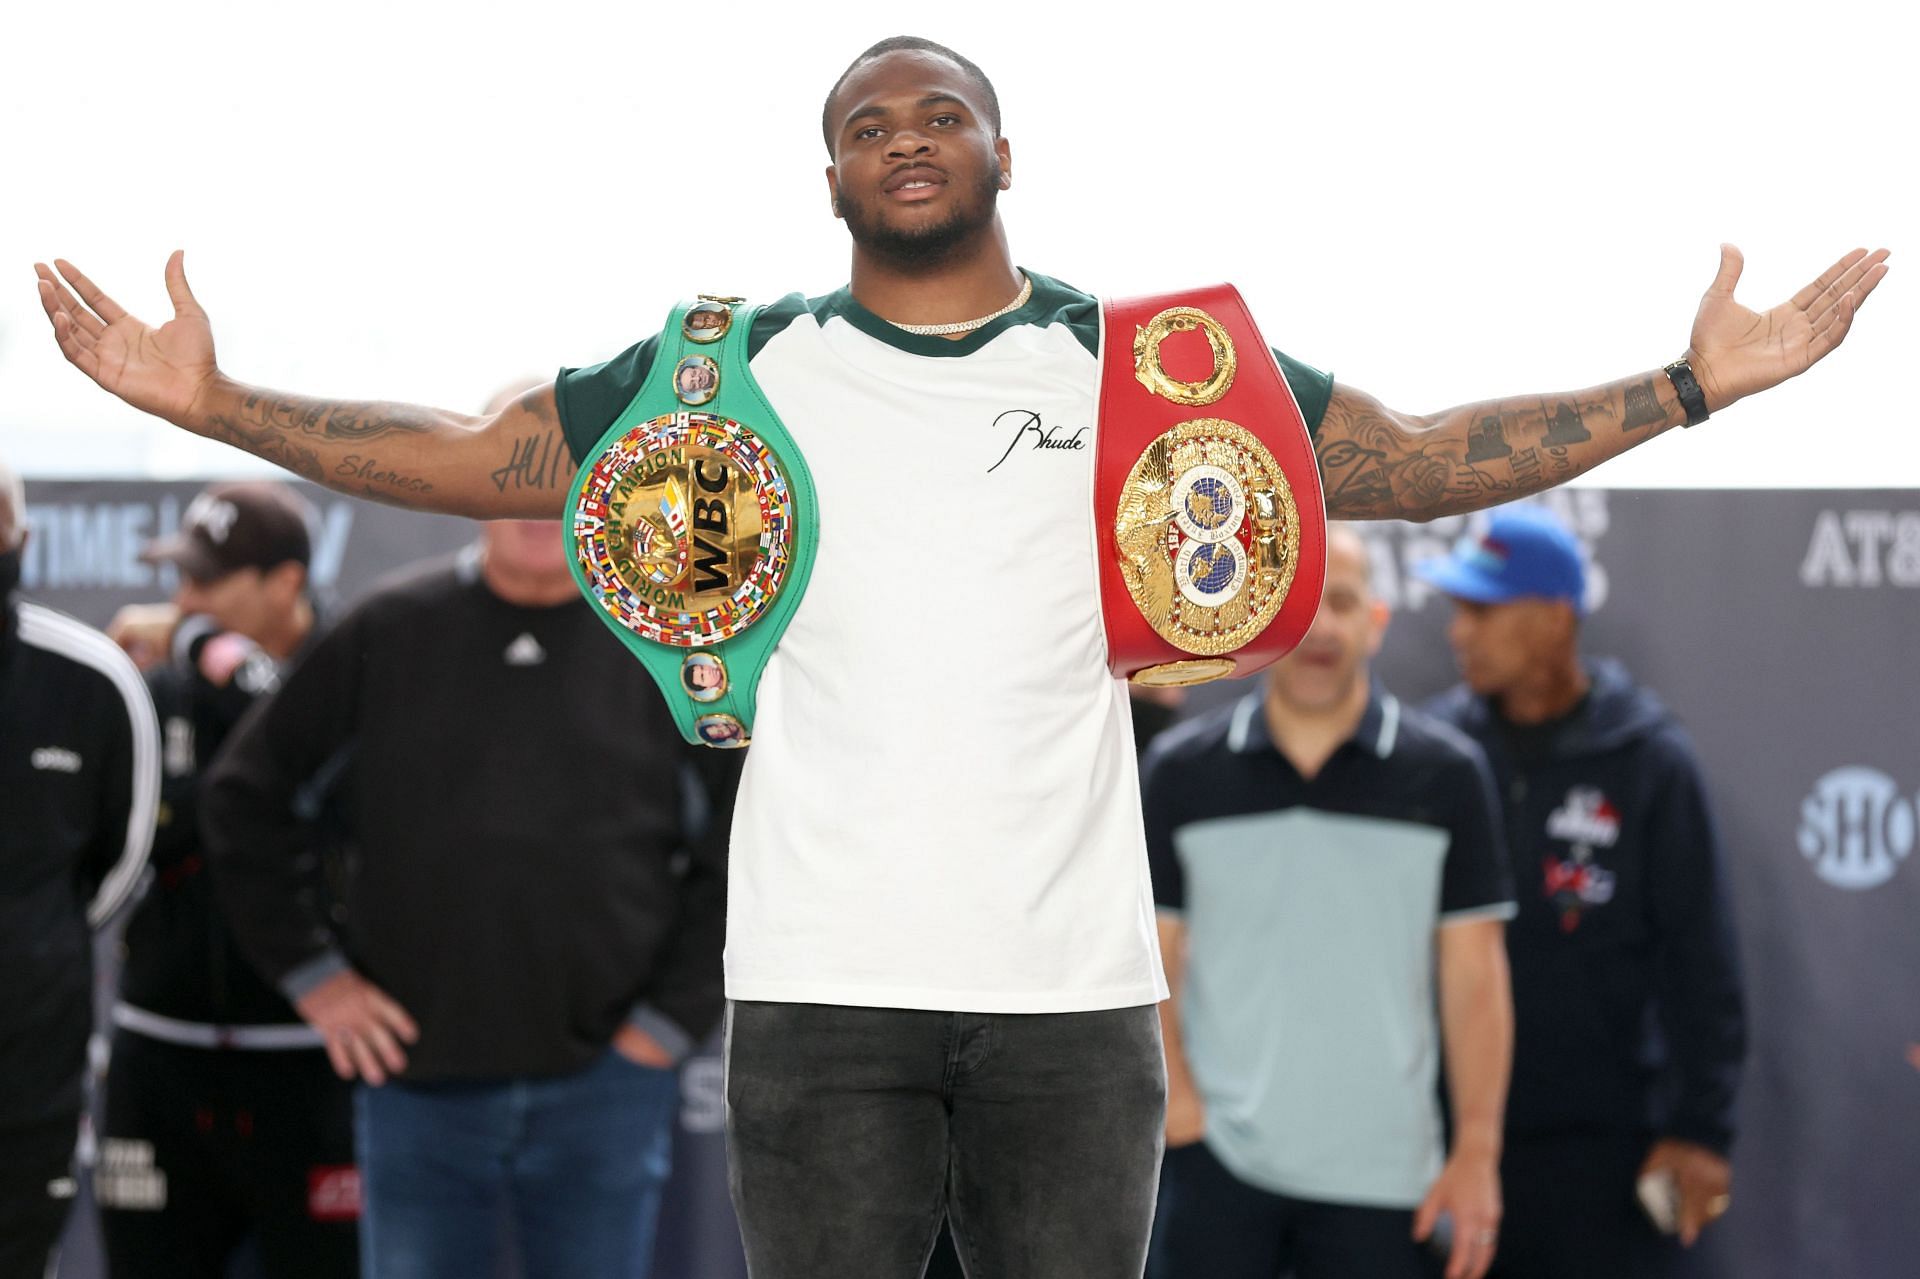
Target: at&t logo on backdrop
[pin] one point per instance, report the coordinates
(1856, 827)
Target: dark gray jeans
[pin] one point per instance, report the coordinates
(852, 1131)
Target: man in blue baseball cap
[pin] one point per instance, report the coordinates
(1525, 553)
(1629, 1029)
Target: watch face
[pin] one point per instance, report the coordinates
(683, 529)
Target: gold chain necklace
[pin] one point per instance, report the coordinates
(968, 326)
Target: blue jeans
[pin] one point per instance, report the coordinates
(575, 1163)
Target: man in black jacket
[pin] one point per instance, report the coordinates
(223, 1120)
(533, 930)
(79, 781)
(1629, 1025)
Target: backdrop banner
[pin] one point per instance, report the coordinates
(84, 554)
(1772, 623)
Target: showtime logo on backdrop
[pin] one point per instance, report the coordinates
(1856, 827)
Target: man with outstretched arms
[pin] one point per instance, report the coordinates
(885, 1067)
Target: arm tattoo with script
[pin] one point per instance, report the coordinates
(333, 421)
(408, 455)
(312, 439)
(266, 442)
(1378, 464)
(536, 462)
(376, 480)
(305, 436)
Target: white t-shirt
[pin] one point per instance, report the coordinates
(940, 809)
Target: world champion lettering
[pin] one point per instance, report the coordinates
(623, 563)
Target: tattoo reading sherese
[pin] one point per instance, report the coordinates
(1376, 464)
(324, 441)
(371, 475)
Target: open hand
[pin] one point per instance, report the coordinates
(163, 371)
(362, 1024)
(1467, 1190)
(1735, 352)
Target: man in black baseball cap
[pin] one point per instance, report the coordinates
(223, 1118)
(231, 526)
(243, 551)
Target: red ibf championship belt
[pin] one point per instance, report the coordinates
(1206, 494)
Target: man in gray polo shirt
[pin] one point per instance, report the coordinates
(1321, 855)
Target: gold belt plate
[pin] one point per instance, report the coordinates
(684, 529)
(1209, 536)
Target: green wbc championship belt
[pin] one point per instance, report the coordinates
(692, 524)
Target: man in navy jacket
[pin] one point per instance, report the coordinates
(1629, 1026)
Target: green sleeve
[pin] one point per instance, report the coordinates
(1311, 388)
(591, 399)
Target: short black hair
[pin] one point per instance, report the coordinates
(913, 44)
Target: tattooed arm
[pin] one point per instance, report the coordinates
(513, 463)
(1379, 464)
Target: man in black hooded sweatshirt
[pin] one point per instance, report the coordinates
(1629, 1030)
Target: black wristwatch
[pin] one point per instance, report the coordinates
(1692, 398)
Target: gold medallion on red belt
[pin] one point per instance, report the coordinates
(1207, 529)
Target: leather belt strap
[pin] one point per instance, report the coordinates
(1207, 501)
(693, 524)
